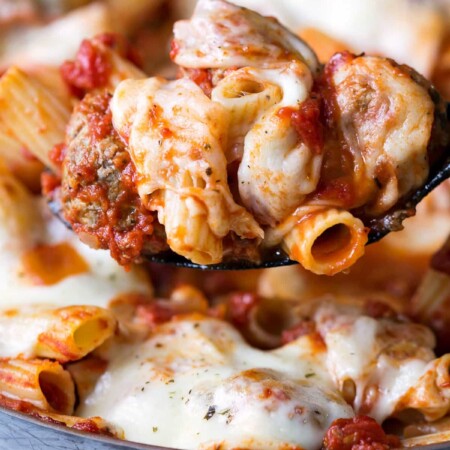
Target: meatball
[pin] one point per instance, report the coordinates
(387, 135)
(98, 190)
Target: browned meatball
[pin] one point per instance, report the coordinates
(98, 190)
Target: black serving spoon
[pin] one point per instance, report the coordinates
(380, 227)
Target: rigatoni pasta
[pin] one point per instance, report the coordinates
(31, 114)
(17, 211)
(23, 164)
(327, 241)
(42, 383)
(63, 334)
(245, 95)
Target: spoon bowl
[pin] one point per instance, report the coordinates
(380, 227)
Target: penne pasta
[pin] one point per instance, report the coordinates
(64, 334)
(326, 242)
(31, 114)
(42, 383)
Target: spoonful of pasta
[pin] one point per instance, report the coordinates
(255, 156)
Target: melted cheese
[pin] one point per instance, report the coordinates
(196, 384)
(382, 357)
(21, 339)
(221, 35)
(103, 281)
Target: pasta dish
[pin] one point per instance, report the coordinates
(250, 140)
(315, 156)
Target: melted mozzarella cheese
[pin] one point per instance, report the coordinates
(103, 281)
(382, 357)
(21, 338)
(221, 35)
(196, 384)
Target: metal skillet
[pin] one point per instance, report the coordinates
(21, 432)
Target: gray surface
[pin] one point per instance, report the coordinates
(19, 432)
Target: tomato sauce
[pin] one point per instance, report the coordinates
(92, 67)
(336, 180)
(50, 264)
(240, 306)
(358, 433)
(202, 78)
(307, 124)
(90, 70)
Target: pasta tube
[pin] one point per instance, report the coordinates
(176, 135)
(31, 114)
(64, 334)
(326, 242)
(431, 394)
(42, 383)
(280, 166)
(246, 97)
(22, 164)
(17, 212)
